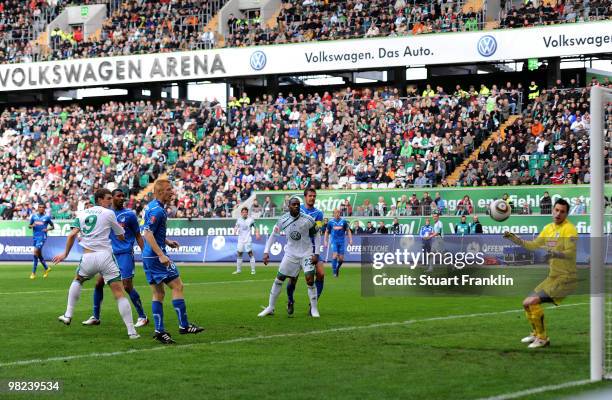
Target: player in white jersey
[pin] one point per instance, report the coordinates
(93, 226)
(245, 241)
(300, 228)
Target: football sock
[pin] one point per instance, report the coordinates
(181, 312)
(97, 301)
(239, 264)
(253, 263)
(290, 291)
(334, 264)
(319, 286)
(135, 297)
(34, 264)
(339, 265)
(530, 319)
(74, 293)
(157, 309)
(312, 295)
(125, 310)
(537, 317)
(42, 261)
(275, 291)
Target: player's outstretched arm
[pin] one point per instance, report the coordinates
(350, 236)
(528, 244)
(69, 243)
(50, 227)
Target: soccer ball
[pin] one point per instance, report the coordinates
(499, 210)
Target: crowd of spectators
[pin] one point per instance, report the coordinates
(308, 20)
(548, 13)
(143, 27)
(61, 155)
(20, 21)
(548, 144)
(351, 138)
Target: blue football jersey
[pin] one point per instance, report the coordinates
(40, 222)
(314, 213)
(128, 220)
(155, 222)
(426, 231)
(337, 229)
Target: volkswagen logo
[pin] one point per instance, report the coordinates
(295, 235)
(258, 60)
(487, 46)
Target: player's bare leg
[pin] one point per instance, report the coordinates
(178, 303)
(535, 315)
(125, 310)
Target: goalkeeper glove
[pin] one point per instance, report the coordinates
(513, 238)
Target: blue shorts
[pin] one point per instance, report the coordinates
(125, 261)
(157, 272)
(39, 242)
(337, 247)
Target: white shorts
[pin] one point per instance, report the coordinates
(245, 247)
(291, 266)
(99, 262)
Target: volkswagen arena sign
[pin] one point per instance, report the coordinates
(367, 53)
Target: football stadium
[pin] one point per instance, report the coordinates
(266, 199)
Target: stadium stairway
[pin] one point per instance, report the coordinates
(501, 132)
(149, 188)
(473, 5)
(213, 25)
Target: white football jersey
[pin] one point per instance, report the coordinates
(243, 225)
(95, 224)
(298, 230)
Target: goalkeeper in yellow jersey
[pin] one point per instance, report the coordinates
(559, 240)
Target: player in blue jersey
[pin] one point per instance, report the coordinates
(123, 250)
(337, 229)
(310, 195)
(40, 225)
(159, 269)
(427, 233)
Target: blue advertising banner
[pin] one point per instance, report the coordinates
(215, 249)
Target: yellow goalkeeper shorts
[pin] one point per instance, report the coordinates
(555, 289)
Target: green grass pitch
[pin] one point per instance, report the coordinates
(393, 347)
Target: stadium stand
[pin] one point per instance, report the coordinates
(148, 26)
(361, 138)
(552, 12)
(548, 144)
(302, 21)
(61, 154)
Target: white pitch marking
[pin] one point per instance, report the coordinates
(267, 337)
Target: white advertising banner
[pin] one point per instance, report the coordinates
(431, 49)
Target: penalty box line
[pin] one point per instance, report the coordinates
(268, 337)
(137, 286)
